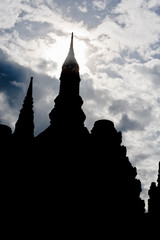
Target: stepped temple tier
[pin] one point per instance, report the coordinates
(67, 174)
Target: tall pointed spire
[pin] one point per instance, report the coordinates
(30, 89)
(70, 78)
(71, 50)
(70, 64)
(68, 103)
(25, 126)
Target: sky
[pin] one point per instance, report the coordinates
(117, 46)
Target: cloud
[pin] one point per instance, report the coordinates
(130, 27)
(95, 100)
(83, 7)
(153, 4)
(99, 4)
(29, 29)
(10, 73)
(39, 33)
(151, 71)
(7, 113)
(14, 81)
(119, 106)
(147, 166)
(138, 22)
(127, 124)
(9, 13)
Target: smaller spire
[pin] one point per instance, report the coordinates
(24, 126)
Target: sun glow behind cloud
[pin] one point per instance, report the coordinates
(58, 50)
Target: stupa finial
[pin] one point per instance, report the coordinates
(70, 62)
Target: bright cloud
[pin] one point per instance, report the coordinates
(8, 114)
(9, 13)
(138, 23)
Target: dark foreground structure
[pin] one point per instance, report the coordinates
(67, 176)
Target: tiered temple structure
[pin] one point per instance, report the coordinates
(68, 172)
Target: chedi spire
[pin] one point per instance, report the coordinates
(67, 116)
(68, 103)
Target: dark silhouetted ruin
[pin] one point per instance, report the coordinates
(66, 172)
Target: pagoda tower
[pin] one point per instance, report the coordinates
(67, 117)
(60, 150)
(67, 113)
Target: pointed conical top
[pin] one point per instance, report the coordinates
(29, 91)
(24, 126)
(71, 51)
(70, 63)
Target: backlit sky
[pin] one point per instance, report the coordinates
(117, 46)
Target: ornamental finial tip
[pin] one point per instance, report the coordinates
(71, 45)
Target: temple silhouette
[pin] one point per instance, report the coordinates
(68, 171)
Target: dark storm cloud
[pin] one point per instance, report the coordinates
(127, 124)
(10, 72)
(14, 81)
